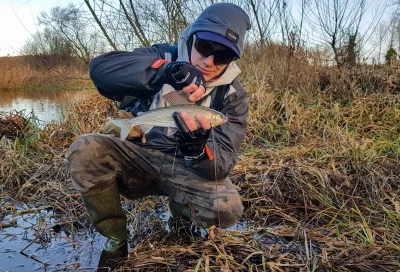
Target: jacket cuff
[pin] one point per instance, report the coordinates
(194, 158)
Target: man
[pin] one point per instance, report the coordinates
(103, 167)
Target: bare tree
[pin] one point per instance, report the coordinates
(284, 18)
(70, 23)
(263, 17)
(48, 51)
(135, 23)
(395, 36)
(111, 42)
(337, 22)
(299, 25)
(110, 19)
(168, 18)
(381, 40)
(128, 23)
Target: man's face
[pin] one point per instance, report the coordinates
(206, 64)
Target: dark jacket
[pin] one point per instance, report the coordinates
(117, 74)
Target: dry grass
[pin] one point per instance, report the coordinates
(13, 77)
(23, 72)
(319, 174)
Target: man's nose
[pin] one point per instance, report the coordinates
(209, 61)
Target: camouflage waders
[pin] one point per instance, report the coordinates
(96, 162)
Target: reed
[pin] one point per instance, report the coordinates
(24, 73)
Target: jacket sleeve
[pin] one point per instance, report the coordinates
(121, 73)
(227, 137)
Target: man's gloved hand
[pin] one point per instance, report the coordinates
(190, 143)
(181, 74)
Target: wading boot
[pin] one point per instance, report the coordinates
(109, 219)
(180, 222)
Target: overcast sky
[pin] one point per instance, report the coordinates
(17, 21)
(18, 17)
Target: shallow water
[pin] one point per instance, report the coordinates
(45, 105)
(39, 242)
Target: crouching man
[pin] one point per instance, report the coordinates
(203, 65)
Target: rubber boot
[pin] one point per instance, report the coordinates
(109, 219)
(179, 211)
(180, 221)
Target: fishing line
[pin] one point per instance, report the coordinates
(173, 162)
(201, 225)
(216, 191)
(215, 174)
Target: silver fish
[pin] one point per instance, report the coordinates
(162, 117)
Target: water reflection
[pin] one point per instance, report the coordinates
(24, 247)
(45, 105)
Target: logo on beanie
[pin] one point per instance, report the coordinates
(232, 36)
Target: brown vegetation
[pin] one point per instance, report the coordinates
(12, 124)
(318, 174)
(27, 72)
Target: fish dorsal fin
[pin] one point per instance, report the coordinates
(177, 98)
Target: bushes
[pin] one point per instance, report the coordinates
(279, 68)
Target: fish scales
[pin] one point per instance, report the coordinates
(162, 117)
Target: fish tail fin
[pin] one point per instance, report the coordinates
(124, 133)
(125, 126)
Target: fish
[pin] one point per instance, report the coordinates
(162, 117)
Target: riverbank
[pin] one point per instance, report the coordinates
(318, 175)
(329, 201)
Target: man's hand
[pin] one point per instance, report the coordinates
(191, 138)
(184, 76)
(195, 92)
(191, 124)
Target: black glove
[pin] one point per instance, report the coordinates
(190, 143)
(181, 74)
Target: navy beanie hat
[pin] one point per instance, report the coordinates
(229, 21)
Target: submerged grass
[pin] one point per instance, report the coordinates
(318, 175)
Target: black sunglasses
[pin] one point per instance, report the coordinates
(221, 57)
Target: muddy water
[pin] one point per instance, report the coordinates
(45, 105)
(37, 241)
